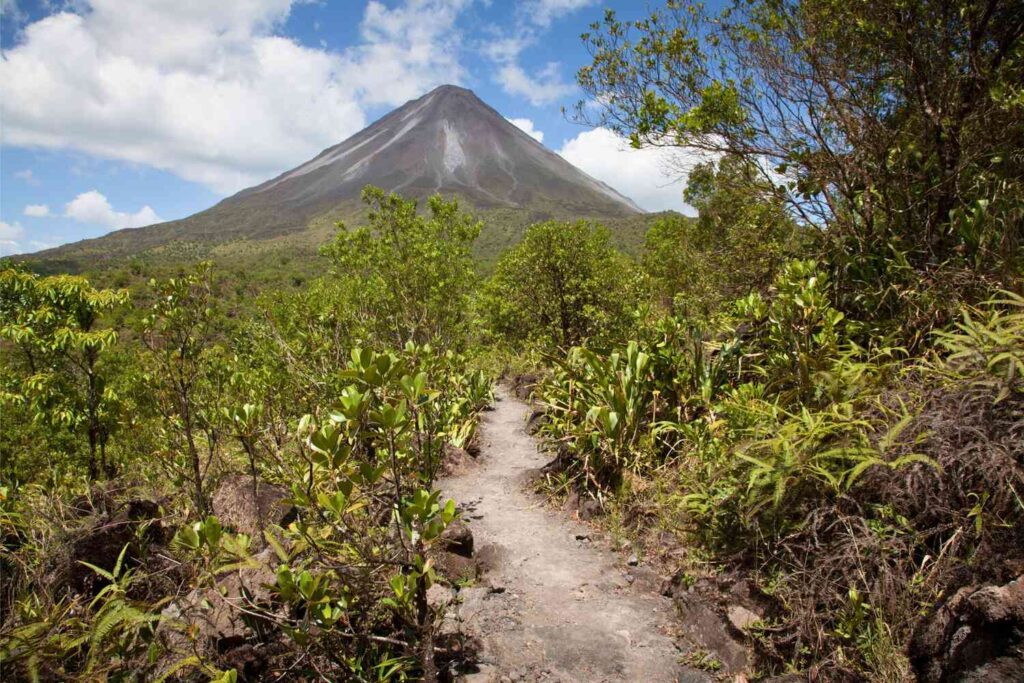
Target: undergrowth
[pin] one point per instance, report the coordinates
(860, 486)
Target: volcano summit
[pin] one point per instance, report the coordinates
(447, 141)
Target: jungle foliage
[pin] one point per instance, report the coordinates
(829, 402)
(832, 471)
(815, 384)
(123, 418)
(563, 284)
(874, 119)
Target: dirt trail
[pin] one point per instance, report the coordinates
(554, 607)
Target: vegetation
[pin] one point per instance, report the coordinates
(410, 275)
(872, 118)
(562, 284)
(813, 386)
(738, 241)
(776, 442)
(119, 545)
(839, 322)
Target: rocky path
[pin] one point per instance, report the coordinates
(552, 606)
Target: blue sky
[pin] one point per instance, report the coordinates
(119, 113)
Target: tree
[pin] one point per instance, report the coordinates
(740, 238)
(562, 284)
(880, 116)
(53, 322)
(413, 274)
(187, 375)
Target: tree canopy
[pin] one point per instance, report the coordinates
(410, 274)
(896, 124)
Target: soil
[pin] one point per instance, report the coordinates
(553, 605)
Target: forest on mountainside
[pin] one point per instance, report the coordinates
(813, 387)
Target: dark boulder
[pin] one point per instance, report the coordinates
(455, 460)
(457, 539)
(453, 554)
(131, 527)
(226, 623)
(976, 635)
(455, 568)
(522, 385)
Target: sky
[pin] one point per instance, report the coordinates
(122, 113)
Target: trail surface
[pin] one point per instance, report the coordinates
(555, 606)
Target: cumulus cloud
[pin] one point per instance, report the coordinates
(92, 207)
(209, 90)
(543, 12)
(405, 50)
(526, 125)
(544, 87)
(533, 18)
(10, 236)
(653, 177)
(11, 231)
(37, 210)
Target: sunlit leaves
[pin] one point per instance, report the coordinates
(413, 273)
(59, 352)
(562, 284)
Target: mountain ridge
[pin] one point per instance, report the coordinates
(447, 141)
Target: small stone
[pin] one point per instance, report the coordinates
(741, 618)
(439, 596)
(458, 539)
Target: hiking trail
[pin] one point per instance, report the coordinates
(553, 606)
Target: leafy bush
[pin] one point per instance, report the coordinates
(778, 443)
(59, 375)
(740, 238)
(562, 284)
(279, 390)
(409, 276)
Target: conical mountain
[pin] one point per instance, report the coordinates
(447, 141)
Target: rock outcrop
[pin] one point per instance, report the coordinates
(977, 635)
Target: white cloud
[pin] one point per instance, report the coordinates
(406, 50)
(545, 87)
(37, 210)
(533, 18)
(27, 176)
(11, 13)
(10, 236)
(526, 125)
(508, 48)
(208, 90)
(653, 177)
(543, 12)
(94, 208)
(11, 231)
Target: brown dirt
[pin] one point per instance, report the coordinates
(554, 607)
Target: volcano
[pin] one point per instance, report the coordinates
(448, 142)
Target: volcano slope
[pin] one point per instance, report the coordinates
(447, 142)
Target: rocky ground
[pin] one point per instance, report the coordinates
(551, 604)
